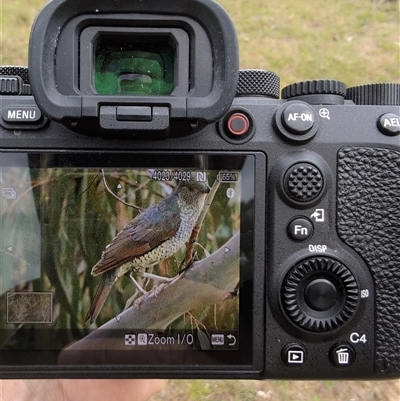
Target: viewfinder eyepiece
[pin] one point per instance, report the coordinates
(135, 66)
(172, 67)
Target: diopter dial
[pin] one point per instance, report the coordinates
(320, 294)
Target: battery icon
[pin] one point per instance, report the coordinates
(228, 177)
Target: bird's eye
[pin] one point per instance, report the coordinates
(191, 187)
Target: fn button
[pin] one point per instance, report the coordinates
(300, 229)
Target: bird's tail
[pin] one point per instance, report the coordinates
(107, 281)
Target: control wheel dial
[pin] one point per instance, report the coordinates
(320, 294)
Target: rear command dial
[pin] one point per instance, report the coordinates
(320, 294)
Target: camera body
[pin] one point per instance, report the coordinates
(316, 244)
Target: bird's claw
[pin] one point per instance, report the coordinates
(183, 268)
(157, 278)
(138, 286)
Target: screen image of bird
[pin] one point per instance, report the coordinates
(83, 248)
(151, 237)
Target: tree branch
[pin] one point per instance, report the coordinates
(207, 282)
(199, 222)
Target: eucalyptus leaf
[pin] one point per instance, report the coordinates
(203, 340)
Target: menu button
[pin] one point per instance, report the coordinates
(19, 115)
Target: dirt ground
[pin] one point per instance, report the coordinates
(249, 390)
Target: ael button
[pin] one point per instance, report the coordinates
(389, 124)
(238, 124)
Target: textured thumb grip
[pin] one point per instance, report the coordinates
(368, 220)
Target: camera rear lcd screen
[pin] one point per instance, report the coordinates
(125, 259)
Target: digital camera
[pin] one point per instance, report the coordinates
(165, 215)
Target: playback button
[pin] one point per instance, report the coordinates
(294, 354)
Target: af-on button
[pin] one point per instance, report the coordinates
(297, 121)
(298, 118)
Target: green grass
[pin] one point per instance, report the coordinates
(251, 390)
(16, 19)
(214, 390)
(356, 41)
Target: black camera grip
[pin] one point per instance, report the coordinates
(368, 220)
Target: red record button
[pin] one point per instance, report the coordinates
(238, 124)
